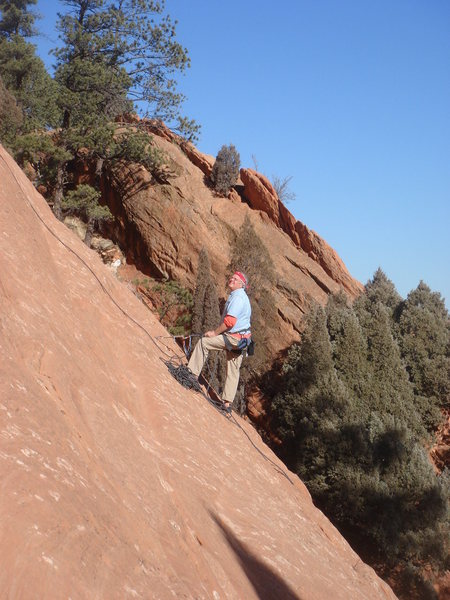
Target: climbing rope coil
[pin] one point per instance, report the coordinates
(184, 375)
(187, 379)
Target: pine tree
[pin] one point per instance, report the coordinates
(250, 255)
(113, 56)
(33, 90)
(17, 19)
(85, 200)
(391, 390)
(116, 55)
(23, 73)
(11, 116)
(381, 289)
(205, 311)
(310, 407)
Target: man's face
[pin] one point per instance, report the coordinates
(234, 283)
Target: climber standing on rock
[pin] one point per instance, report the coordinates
(232, 335)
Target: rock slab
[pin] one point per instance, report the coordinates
(115, 482)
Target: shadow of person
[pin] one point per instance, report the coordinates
(267, 584)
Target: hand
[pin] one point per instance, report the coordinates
(210, 334)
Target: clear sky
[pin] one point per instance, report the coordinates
(349, 97)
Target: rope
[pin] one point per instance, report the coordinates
(184, 375)
(171, 358)
(55, 235)
(187, 379)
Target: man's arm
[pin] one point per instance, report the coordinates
(226, 324)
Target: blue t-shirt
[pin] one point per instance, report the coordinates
(238, 306)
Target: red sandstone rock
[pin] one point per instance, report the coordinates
(116, 482)
(260, 193)
(318, 249)
(160, 129)
(204, 162)
(164, 226)
(262, 196)
(440, 452)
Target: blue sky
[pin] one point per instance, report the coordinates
(349, 97)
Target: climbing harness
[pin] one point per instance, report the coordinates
(245, 344)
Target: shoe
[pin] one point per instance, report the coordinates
(227, 408)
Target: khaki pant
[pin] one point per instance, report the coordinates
(200, 354)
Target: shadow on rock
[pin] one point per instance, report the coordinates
(267, 584)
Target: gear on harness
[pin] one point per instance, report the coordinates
(244, 344)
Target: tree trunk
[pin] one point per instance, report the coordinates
(89, 232)
(98, 172)
(59, 190)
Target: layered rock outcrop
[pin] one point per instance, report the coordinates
(164, 225)
(262, 196)
(115, 481)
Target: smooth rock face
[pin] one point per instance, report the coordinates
(115, 481)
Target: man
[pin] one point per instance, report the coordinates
(235, 326)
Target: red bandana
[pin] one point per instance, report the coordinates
(241, 277)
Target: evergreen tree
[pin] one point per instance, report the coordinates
(85, 200)
(112, 56)
(115, 55)
(355, 446)
(249, 255)
(381, 289)
(205, 311)
(23, 73)
(391, 390)
(349, 345)
(309, 408)
(206, 316)
(423, 335)
(17, 19)
(225, 171)
(11, 116)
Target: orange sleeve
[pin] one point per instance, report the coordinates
(229, 321)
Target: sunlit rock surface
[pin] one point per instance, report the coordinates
(115, 481)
